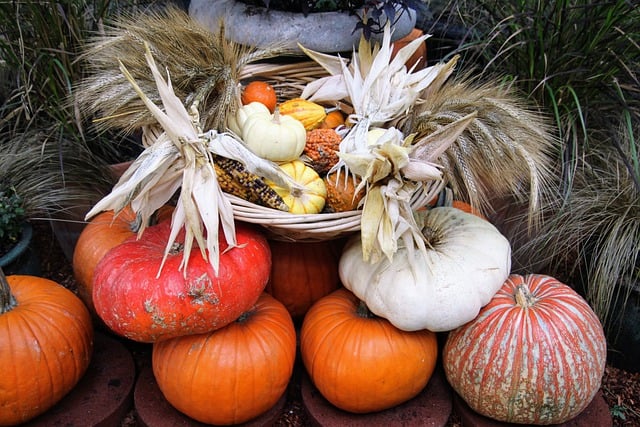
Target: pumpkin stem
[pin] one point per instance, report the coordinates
(276, 115)
(245, 316)
(7, 300)
(523, 296)
(363, 311)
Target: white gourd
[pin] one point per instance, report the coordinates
(274, 137)
(235, 122)
(466, 262)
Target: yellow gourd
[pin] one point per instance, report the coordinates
(308, 113)
(274, 137)
(310, 199)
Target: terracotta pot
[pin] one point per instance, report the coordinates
(419, 58)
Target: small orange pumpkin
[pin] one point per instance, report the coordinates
(303, 272)
(362, 363)
(46, 343)
(262, 92)
(334, 119)
(231, 375)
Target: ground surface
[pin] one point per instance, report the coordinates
(620, 389)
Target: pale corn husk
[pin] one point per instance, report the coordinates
(180, 158)
(381, 91)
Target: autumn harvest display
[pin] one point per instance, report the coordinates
(329, 207)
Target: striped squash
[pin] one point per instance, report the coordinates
(534, 355)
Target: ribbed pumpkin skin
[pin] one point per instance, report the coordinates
(101, 234)
(363, 364)
(136, 303)
(303, 272)
(537, 365)
(231, 375)
(46, 343)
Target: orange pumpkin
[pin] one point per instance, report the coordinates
(303, 272)
(466, 207)
(359, 362)
(262, 92)
(334, 119)
(231, 375)
(99, 236)
(534, 355)
(46, 342)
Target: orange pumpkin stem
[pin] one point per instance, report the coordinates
(7, 300)
(524, 298)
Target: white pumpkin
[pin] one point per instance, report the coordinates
(466, 262)
(274, 137)
(236, 121)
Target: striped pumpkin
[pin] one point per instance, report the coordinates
(534, 355)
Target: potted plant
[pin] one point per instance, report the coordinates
(320, 25)
(16, 254)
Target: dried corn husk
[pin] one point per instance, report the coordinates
(382, 90)
(180, 158)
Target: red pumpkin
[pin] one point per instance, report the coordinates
(233, 374)
(303, 272)
(100, 235)
(534, 355)
(362, 363)
(46, 342)
(136, 302)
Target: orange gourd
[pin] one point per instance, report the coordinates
(334, 119)
(262, 92)
(99, 236)
(321, 149)
(303, 272)
(46, 343)
(359, 362)
(341, 193)
(231, 375)
(534, 355)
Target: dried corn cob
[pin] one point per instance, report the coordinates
(235, 179)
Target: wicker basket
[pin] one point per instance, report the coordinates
(289, 81)
(313, 227)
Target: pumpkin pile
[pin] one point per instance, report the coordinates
(217, 299)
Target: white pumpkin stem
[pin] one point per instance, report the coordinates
(276, 116)
(363, 311)
(523, 296)
(7, 300)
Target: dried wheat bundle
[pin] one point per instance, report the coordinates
(204, 68)
(505, 151)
